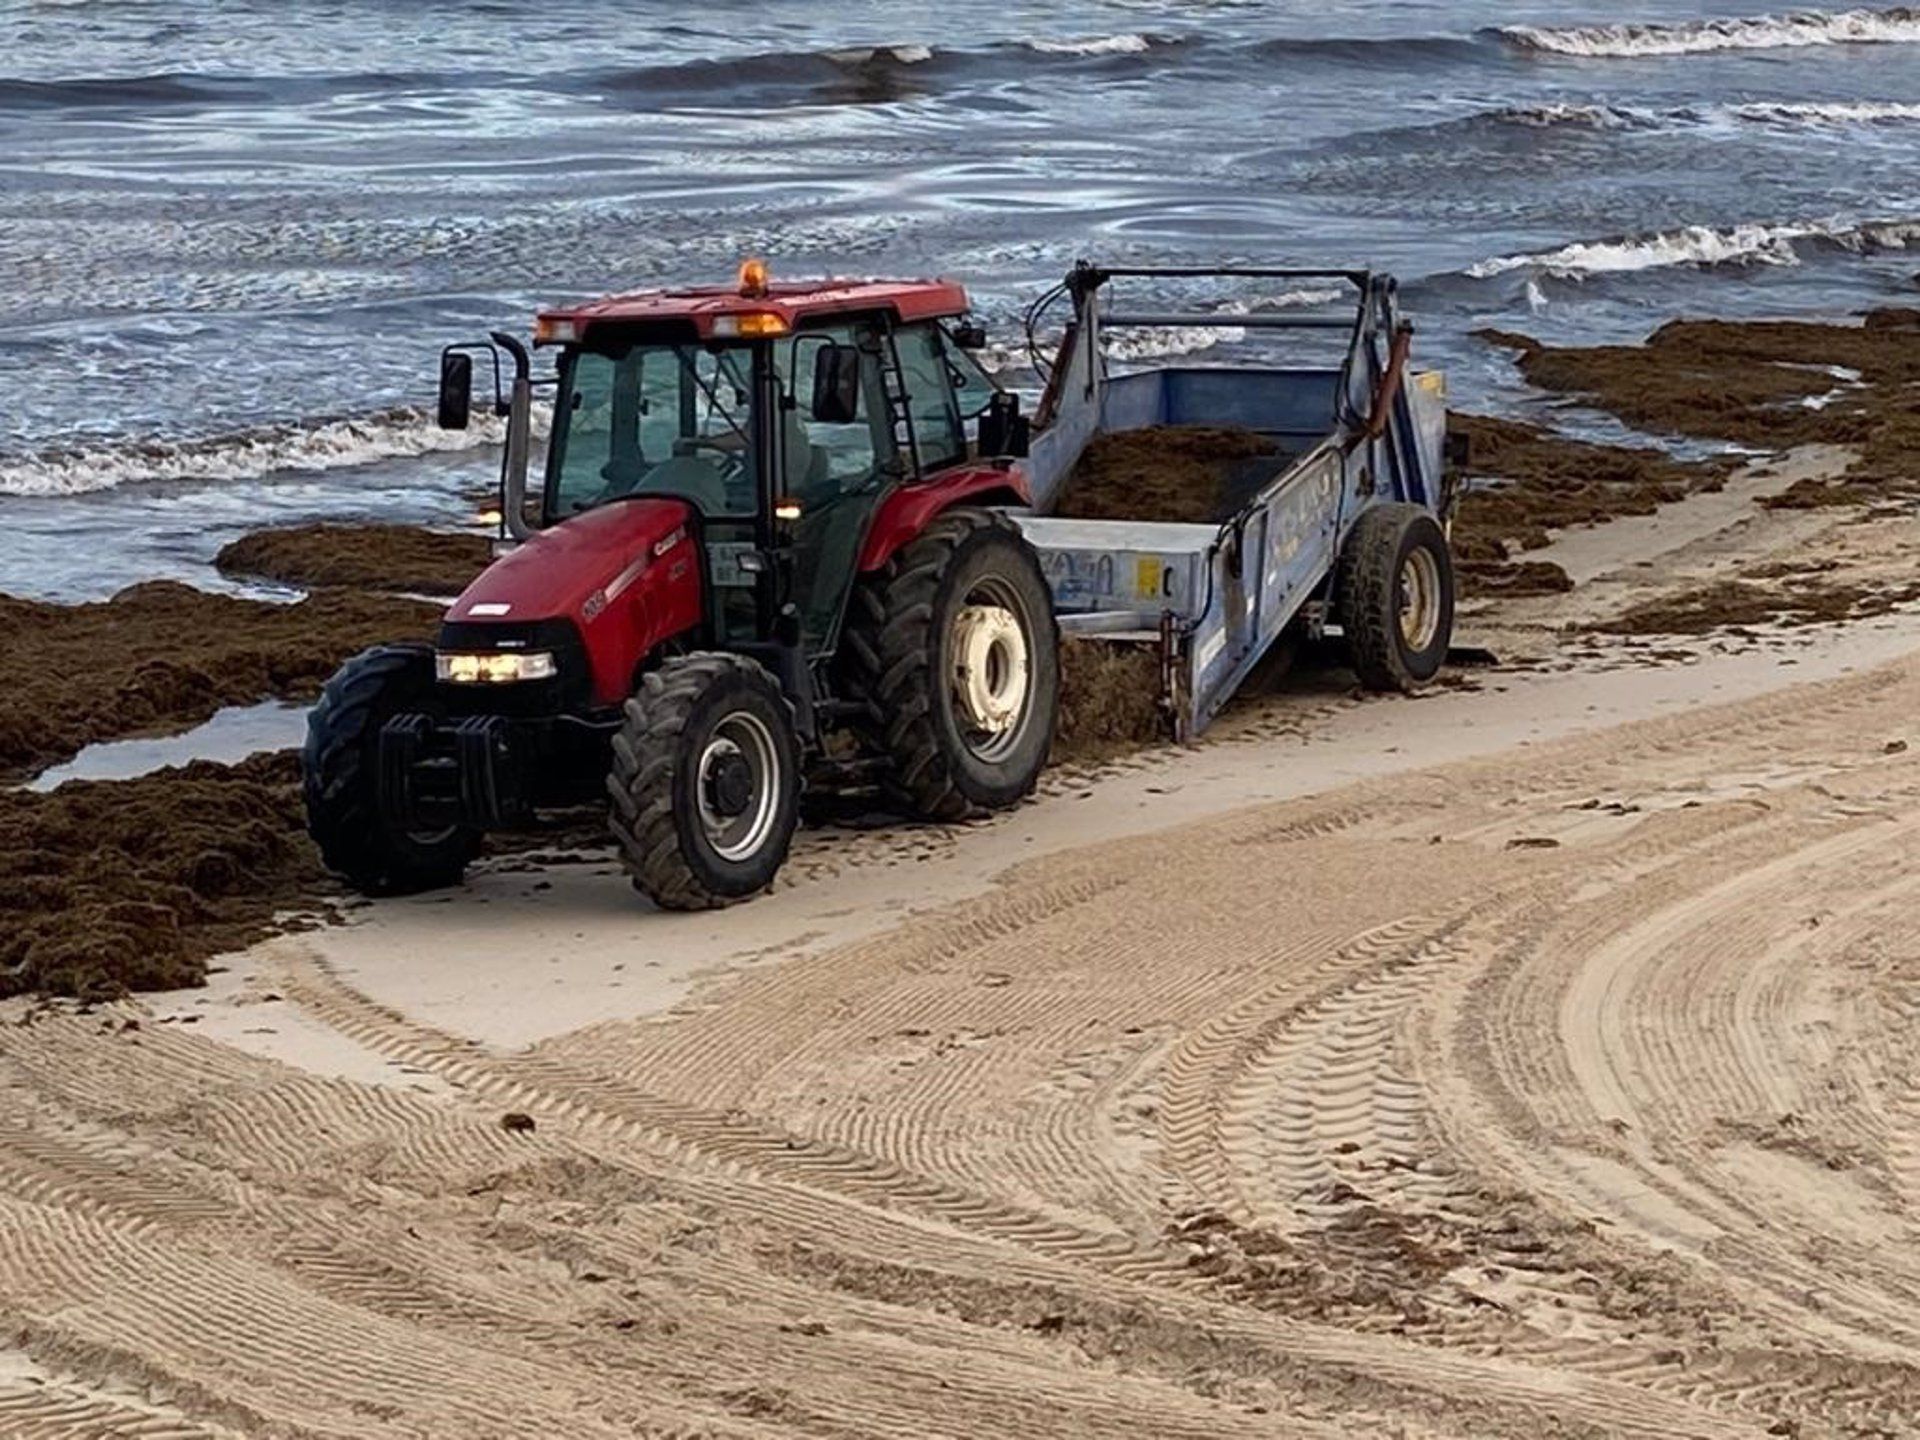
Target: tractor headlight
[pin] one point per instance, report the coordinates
(500, 667)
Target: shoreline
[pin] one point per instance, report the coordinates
(1548, 537)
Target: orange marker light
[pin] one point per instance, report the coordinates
(753, 278)
(753, 325)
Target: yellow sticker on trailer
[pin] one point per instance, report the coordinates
(1149, 577)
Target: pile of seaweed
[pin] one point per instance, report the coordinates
(162, 656)
(109, 886)
(1198, 474)
(390, 558)
(1531, 481)
(1109, 699)
(1736, 604)
(1765, 384)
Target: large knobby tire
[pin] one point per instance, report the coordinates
(953, 650)
(1395, 590)
(705, 782)
(340, 767)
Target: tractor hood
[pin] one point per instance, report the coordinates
(556, 573)
(610, 585)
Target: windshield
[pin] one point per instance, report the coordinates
(657, 420)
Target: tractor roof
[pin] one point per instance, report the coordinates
(794, 302)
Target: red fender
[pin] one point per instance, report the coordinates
(908, 510)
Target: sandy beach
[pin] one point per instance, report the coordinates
(1523, 1057)
(1519, 1050)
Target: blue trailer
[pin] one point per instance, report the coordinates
(1347, 536)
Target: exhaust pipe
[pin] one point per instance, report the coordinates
(513, 462)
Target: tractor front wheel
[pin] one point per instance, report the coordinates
(705, 782)
(1395, 591)
(340, 774)
(953, 651)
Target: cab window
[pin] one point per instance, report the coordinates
(825, 460)
(655, 419)
(930, 399)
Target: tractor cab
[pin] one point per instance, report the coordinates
(780, 413)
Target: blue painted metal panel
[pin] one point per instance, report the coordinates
(1284, 401)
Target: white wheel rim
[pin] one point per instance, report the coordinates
(744, 737)
(1419, 599)
(991, 671)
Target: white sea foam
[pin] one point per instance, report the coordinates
(1790, 114)
(868, 54)
(1166, 341)
(1128, 44)
(1705, 245)
(1761, 32)
(1864, 112)
(1294, 299)
(243, 455)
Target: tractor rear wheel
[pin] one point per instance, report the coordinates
(705, 782)
(953, 650)
(1395, 590)
(340, 773)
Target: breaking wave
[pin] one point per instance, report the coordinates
(1760, 32)
(1584, 117)
(882, 55)
(1864, 112)
(865, 73)
(1127, 44)
(242, 455)
(1792, 114)
(1165, 342)
(1706, 246)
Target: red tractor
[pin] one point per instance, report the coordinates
(763, 532)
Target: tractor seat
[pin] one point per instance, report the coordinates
(699, 480)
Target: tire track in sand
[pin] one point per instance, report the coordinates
(808, 1180)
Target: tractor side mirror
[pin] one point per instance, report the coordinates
(836, 385)
(1004, 432)
(456, 390)
(967, 335)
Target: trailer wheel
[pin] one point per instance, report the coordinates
(953, 650)
(340, 767)
(705, 782)
(1395, 592)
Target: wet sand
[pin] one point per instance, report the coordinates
(1524, 482)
